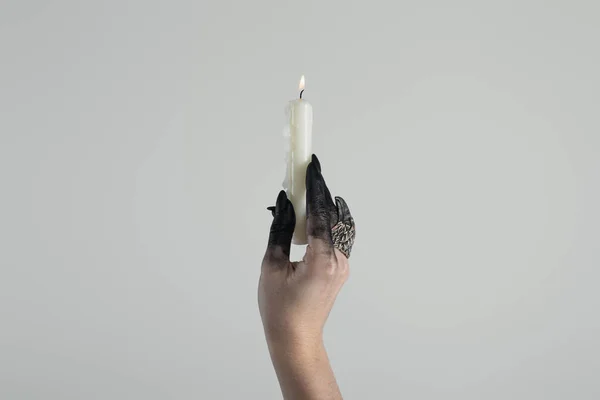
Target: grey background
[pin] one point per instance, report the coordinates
(141, 142)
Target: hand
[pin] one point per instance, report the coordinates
(295, 298)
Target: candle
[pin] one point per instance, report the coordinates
(298, 155)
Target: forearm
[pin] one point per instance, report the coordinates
(304, 372)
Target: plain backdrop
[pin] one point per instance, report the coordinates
(141, 142)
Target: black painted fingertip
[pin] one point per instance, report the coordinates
(290, 216)
(342, 209)
(323, 201)
(282, 228)
(313, 176)
(281, 202)
(318, 208)
(315, 160)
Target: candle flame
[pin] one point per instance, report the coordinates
(301, 84)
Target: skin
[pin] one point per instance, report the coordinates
(295, 298)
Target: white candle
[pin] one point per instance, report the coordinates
(298, 156)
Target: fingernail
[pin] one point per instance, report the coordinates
(281, 201)
(317, 162)
(342, 209)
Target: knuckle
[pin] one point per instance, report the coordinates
(335, 268)
(344, 269)
(331, 267)
(274, 259)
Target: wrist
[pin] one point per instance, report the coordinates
(303, 370)
(297, 344)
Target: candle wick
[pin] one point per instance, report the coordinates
(302, 91)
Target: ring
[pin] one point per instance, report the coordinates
(343, 234)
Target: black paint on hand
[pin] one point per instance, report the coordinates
(322, 212)
(282, 227)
